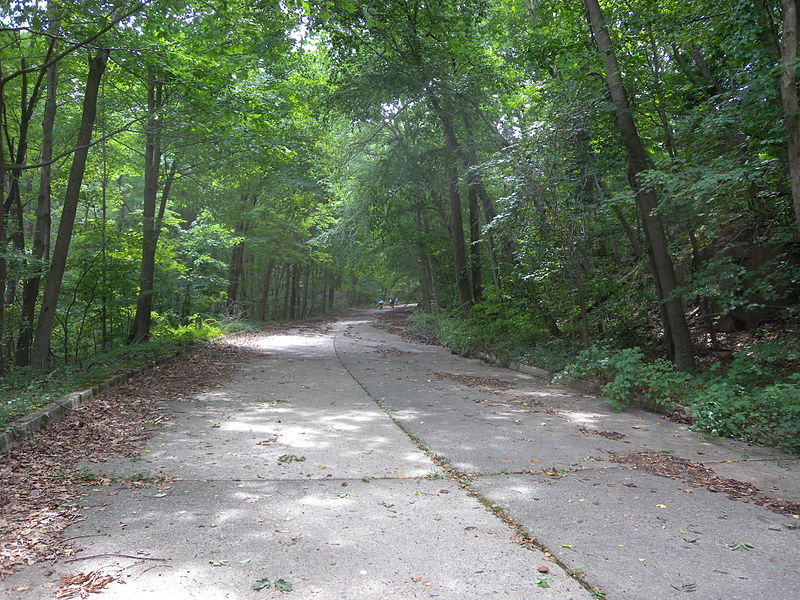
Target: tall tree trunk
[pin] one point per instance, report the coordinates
(292, 289)
(237, 262)
(41, 232)
(152, 169)
(791, 116)
(646, 199)
(280, 275)
(14, 200)
(236, 273)
(44, 326)
(486, 204)
(17, 147)
(456, 218)
(264, 306)
(287, 277)
(474, 243)
(306, 278)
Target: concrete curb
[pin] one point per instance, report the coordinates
(33, 422)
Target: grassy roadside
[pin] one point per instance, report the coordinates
(750, 391)
(24, 389)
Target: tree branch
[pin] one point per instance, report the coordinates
(77, 45)
(71, 151)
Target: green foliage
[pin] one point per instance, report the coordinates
(756, 398)
(630, 375)
(198, 329)
(498, 330)
(502, 330)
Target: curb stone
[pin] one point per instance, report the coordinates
(38, 419)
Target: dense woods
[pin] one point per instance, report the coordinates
(617, 181)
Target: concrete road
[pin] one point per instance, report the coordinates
(346, 462)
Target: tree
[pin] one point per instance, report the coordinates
(55, 274)
(646, 199)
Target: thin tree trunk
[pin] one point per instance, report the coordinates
(41, 236)
(237, 262)
(306, 278)
(279, 277)
(646, 199)
(291, 291)
(434, 288)
(44, 326)
(264, 307)
(474, 243)
(152, 167)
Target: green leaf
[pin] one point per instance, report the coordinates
(290, 458)
(262, 584)
(740, 545)
(283, 586)
(218, 563)
(542, 581)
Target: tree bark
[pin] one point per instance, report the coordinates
(41, 233)
(293, 288)
(44, 326)
(646, 199)
(486, 204)
(152, 167)
(264, 306)
(456, 218)
(789, 98)
(474, 244)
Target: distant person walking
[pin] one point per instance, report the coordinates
(380, 303)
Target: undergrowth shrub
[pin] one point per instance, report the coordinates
(196, 330)
(630, 375)
(505, 331)
(756, 398)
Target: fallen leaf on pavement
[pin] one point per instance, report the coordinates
(83, 584)
(261, 584)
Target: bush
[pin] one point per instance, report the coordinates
(768, 415)
(502, 330)
(631, 376)
(756, 399)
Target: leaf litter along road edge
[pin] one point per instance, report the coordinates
(699, 475)
(40, 483)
